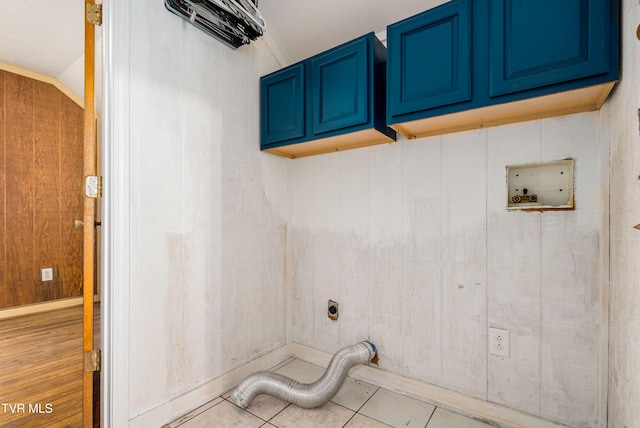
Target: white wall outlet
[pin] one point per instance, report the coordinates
(47, 274)
(499, 342)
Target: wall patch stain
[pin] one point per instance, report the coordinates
(177, 308)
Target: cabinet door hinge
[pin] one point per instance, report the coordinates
(93, 186)
(94, 13)
(92, 360)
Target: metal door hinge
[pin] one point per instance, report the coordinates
(93, 186)
(94, 13)
(92, 361)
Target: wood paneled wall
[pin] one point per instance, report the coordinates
(41, 133)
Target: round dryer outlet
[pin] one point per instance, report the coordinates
(332, 310)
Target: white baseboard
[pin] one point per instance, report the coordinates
(473, 407)
(183, 404)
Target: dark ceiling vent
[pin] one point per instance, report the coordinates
(233, 22)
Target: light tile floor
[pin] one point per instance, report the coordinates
(357, 405)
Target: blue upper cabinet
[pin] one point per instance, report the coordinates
(339, 85)
(544, 42)
(332, 101)
(282, 105)
(429, 61)
(470, 64)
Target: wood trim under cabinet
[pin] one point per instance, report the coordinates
(363, 138)
(574, 101)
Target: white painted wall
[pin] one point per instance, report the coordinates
(207, 211)
(624, 357)
(414, 241)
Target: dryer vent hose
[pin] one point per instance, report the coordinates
(306, 395)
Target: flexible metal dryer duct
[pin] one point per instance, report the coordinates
(306, 395)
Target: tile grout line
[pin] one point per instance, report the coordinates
(199, 413)
(281, 410)
(253, 414)
(431, 416)
(349, 420)
(357, 412)
(367, 400)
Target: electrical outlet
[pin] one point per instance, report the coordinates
(47, 274)
(499, 342)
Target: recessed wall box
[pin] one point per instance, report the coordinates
(332, 310)
(540, 186)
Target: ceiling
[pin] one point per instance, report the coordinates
(42, 36)
(46, 36)
(300, 29)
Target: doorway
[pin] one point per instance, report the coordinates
(41, 267)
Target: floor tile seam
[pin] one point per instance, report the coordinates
(283, 363)
(373, 419)
(367, 400)
(246, 410)
(199, 413)
(421, 400)
(344, 407)
(332, 402)
(349, 420)
(431, 416)
(435, 406)
(378, 388)
(281, 410)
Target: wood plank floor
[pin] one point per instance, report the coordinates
(41, 367)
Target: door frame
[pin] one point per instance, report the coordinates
(89, 216)
(114, 257)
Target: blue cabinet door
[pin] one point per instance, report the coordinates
(544, 42)
(282, 105)
(335, 98)
(339, 82)
(429, 59)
